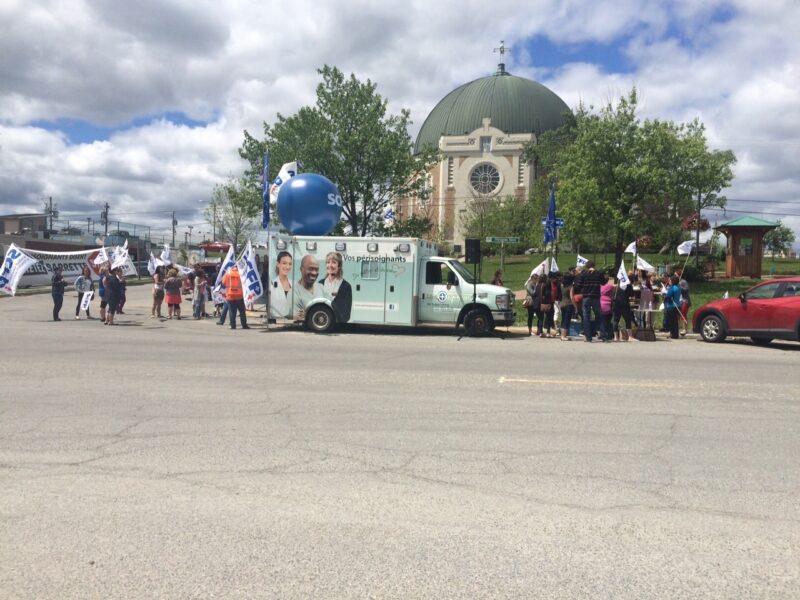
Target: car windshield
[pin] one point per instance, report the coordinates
(461, 270)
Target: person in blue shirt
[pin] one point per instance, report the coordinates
(672, 303)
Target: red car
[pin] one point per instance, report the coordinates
(767, 311)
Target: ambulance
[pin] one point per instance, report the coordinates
(324, 282)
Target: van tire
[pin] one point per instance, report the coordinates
(478, 321)
(320, 319)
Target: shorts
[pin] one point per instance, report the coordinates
(112, 306)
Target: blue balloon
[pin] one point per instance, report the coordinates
(309, 204)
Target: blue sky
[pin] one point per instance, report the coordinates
(145, 106)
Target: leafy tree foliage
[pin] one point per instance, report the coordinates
(779, 240)
(234, 207)
(506, 217)
(619, 178)
(347, 137)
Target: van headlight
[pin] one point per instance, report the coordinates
(502, 301)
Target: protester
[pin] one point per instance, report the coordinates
(672, 300)
(83, 284)
(158, 292)
(101, 290)
(57, 287)
(123, 292)
(498, 278)
(199, 300)
(172, 289)
(113, 294)
(686, 303)
(606, 302)
(588, 284)
(544, 318)
(532, 299)
(566, 305)
(234, 294)
(622, 310)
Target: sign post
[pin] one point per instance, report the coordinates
(502, 241)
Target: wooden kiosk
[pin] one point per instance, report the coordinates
(745, 245)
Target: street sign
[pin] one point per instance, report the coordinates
(503, 240)
(559, 222)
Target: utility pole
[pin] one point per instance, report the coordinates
(104, 218)
(50, 211)
(174, 224)
(190, 233)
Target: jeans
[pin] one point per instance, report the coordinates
(237, 305)
(566, 317)
(223, 313)
(199, 307)
(58, 301)
(589, 325)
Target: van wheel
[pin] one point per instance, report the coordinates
(320, 319)
(478, 322)
(712, 329)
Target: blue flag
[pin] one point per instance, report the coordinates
(550, 232)
(265, 192)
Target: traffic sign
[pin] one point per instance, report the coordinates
(503, 240)
(559, 222)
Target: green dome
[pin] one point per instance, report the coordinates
(515, 105)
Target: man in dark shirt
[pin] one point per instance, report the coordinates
(589, 282)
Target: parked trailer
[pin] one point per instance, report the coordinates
(383, 281)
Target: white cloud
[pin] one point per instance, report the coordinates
(234, 65)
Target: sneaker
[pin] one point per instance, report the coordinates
(77, 318)
(245, 326)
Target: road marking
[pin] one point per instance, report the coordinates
(644, 384)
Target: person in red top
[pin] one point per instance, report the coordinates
(234, 294)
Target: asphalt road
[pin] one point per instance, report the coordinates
(180, 459)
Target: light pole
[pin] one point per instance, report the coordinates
(190, 227)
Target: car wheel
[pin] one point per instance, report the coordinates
(712, 329)
(478, 322)
(761, 341)
(320, 319)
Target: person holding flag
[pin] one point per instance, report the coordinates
(623, 292)
(672, 299)
(234, 295)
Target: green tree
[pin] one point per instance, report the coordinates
(348, 137)
(779, 240)
(505, 217)
(234, 208)
(619, 178)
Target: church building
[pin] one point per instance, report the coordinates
(480, 129)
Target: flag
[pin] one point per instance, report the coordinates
(251, 280)
(541, 269)
(265, 192)
(102, 257)
(581, 261)
(643, 265)
(553, 265)
(230, 260)
(388, 218)
(166, 255)
(631, 249)
(119, 257)
(550, 232)
(622, 276)
(725, 295)
(686, 247)
(287, 171)
(15, 263)
(86, 299)
(151, 265)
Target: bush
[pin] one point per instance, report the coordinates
(692, 273)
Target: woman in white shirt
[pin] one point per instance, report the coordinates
(280, 298)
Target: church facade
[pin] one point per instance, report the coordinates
(480, 130)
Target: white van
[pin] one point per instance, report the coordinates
(325, 281)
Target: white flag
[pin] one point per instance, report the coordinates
(581, 261)
(119, 258)
(388, 218)
(166, 255)
(102, 257)
(541, 269)
(151, 265)
(553, 265)
(643, 265)
(15, 263)
(622, 276)
(287, 171)
(686, 247)
(725, 295)
(251, 280)
(86, 299)
(631, 249)
(183, 270)
(230, 260)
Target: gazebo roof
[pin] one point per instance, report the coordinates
(747, 222)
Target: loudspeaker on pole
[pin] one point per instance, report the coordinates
(472, 251)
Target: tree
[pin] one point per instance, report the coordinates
(347, 137)
(619, 178)
(779, 240)
(505, 217)
(234, 207)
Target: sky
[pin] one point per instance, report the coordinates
(143, 104)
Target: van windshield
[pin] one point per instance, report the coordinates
(461, 270)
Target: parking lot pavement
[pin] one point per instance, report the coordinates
(181, 459)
